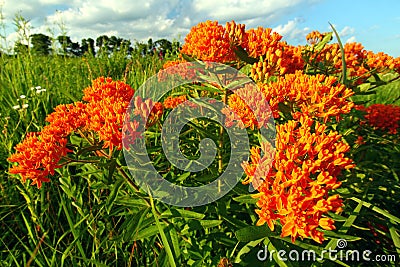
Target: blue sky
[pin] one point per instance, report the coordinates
(375, 24)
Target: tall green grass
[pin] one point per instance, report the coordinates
(31, 219)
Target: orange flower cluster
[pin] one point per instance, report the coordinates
(275, 57)
(262, 41)
(315, 37)
(360, 63)
(37, 158)
(176, 70)
(305, 169)
(384, 117)
(103, 114)
(277, 62)
(248, 108)
(381, 62)
(208, 41)
(318, 96)
(39, 154)
(237, 33)
(106, 107)
(173, 102)
(147, 110)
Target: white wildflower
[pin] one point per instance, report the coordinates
(22, 96)
(16, 107)
(25, 106)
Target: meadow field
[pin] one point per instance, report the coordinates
(92, 212)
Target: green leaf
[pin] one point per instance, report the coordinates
(88, 149)
(210, 223)
(183, 176)
(395, 236)
(344, 67)
(68, 213)
(187, 58)
(164, 239)
(237, 83)
(376, 209)
(205, 178)
(246, 199)
(111, 168)
(272, 245)
(114, 193)
(345, 227)
(70, 96)
(173, 236)
(246, 249)
(253, 232)
(242, 55)
(182, 213)
(148, 232)
(134, 223)
(327, 38)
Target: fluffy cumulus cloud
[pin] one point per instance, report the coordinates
(347, 34)
(293, 31)
(137, 20)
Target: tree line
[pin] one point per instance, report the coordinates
(42, 45)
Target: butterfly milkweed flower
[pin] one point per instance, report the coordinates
(276, 57)
(177, 70)
(108, 101)
(102, 114)
(296, 190)
(248, 108)
(209, 41)
(39, 153)
(318, 96)
(361, 64)
(383, 117)
(173, 102)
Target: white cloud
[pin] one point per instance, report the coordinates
(352, 39)
(346, 31)
(137, 20)
(292, 30)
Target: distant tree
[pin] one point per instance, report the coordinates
(102, 43)
(145, 48)
(20, 48)
(163, 46)
(126, 46)
(150, 46)
(114, 43)
(40, 44)
(87, 46)
(68, 47)
(65, 42)
(75, 49)
(108, 45)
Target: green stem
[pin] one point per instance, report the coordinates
(163, 236)
(344, 67)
